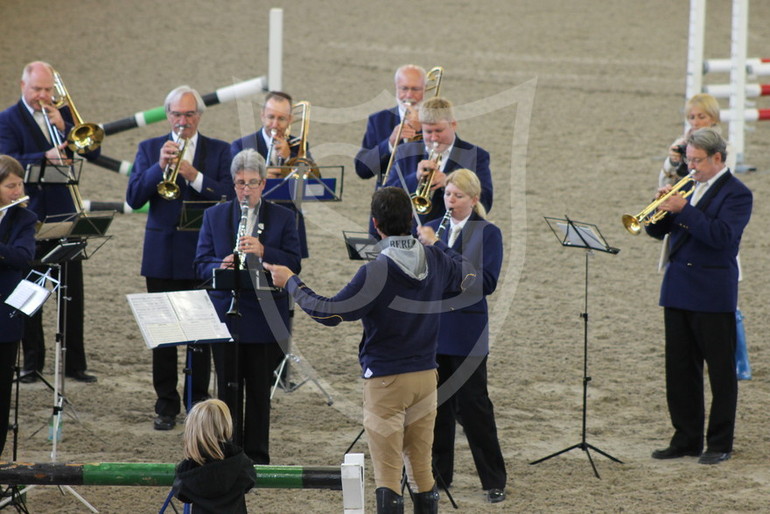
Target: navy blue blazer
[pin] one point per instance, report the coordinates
(372, 159)
(22, 139)
(168, 252)
(702, 273)
(463, 155)
(17, 248)
(464, 325)
(279, 237)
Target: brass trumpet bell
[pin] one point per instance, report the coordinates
(650, 214)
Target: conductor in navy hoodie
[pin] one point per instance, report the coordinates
(397, 297)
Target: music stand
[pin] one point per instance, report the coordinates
(191, 217)
(361, 246)
(575, 234)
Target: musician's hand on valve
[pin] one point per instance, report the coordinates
(188, 171)
(251, 244)
(168, 154)
(279, 274)
(424, 167)
(274, 172)
(439, 179)
(426, 235)
(673, 204)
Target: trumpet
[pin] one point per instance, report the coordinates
(21, 201)
(168, 188)
(650, 215)
(432, 83)
(421, 196)
(84, 137)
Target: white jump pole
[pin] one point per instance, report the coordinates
(695, 48)
(740, 27)
(275, 50)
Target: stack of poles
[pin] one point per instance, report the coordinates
(738, 66)
(253, 87)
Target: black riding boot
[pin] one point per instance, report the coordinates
(388, 502)
(427, 502)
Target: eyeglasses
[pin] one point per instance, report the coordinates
(251, 184)
(696, 160)
(188, 114)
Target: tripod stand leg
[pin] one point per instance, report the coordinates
(597, 450)
(565, 450)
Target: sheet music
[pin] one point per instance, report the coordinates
(572, 237)
(28, 297)
(177, 317)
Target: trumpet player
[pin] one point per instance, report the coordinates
(263, 325)
(167, 259)
(275, 147)
(382, 127)
(29, 131)
(699, 295)
(440, 153)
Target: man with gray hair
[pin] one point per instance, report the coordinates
(261, 328)
(382, 126)
(167, 260)
(699, 296)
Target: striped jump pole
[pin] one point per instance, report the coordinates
(159, 474)
(222, 95)
(748, 115)
(724, 65)
(723, 90)
(120, 207)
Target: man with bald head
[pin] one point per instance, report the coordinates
(25, 136)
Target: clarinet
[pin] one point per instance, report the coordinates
(444, 223)
(242, 232)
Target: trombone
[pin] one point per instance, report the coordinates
(421, 197)
(84, 137)
(168, 189)
(302, 159)
(432, 83)
(650, 214)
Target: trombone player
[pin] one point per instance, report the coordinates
(382, 127)
(699, 296)
(32, 131)
(167, 261)
(440, 152)
(275, 147)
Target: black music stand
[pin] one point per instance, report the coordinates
(361, 246)
(575, 234)
(191, 216)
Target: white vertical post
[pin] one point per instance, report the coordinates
(695, 48)
(275, 51)
(352, 472)
(740, 27)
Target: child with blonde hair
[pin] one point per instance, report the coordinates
(215, 474)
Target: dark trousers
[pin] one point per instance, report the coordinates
(462, 389)
(8, 351)
(164, 361)
(691, 339)
(256, 361)
(33, 342)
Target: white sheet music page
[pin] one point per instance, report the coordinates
(28, 297)
(176, 318)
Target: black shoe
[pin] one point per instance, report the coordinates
(164, 422)
(710, 457)
(30, 377)
(496, 495)
(81, 376)
(674, 453)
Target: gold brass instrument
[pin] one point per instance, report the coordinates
(168, 189)
(84, 137)
(302, 159)
(21, 201)
(421, 197)
(650, 214)
(432, 83)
